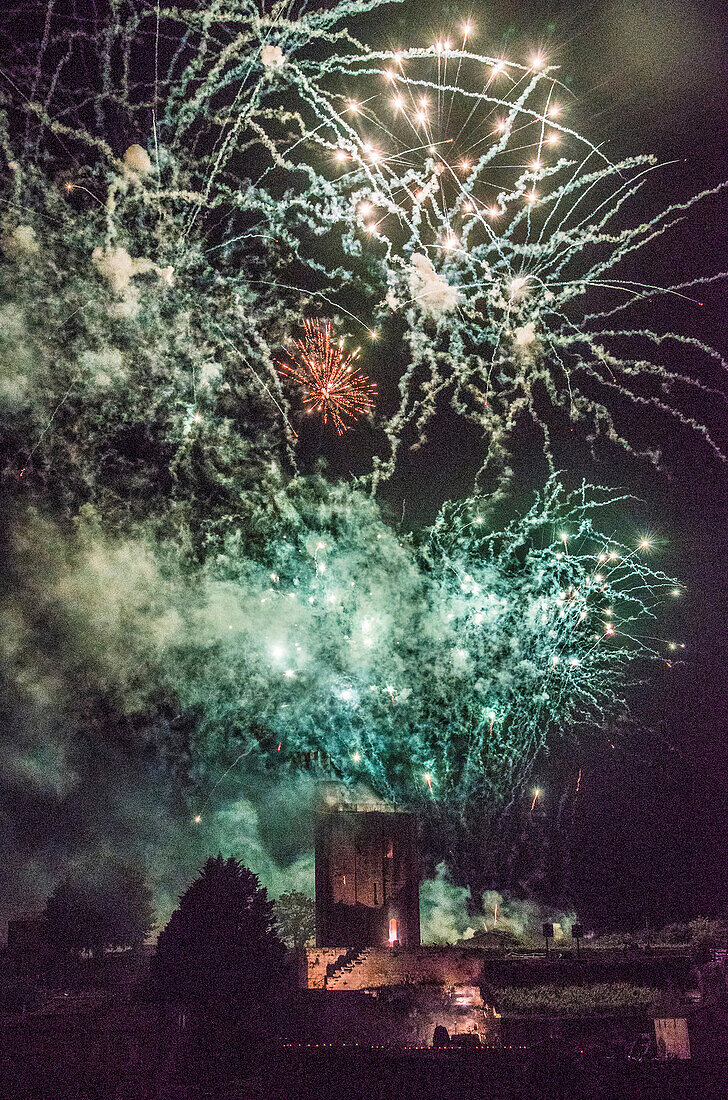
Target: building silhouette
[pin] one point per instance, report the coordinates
(367, 875)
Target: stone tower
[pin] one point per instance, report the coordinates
(367, 876)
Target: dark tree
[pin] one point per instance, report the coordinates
(108, 905)
(296, 918)
(220, 951)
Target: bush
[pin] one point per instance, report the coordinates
(574, 1000)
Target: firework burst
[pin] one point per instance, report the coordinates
(328, 378)
(443, 195)
(505, 240)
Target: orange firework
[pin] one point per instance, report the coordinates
(327, 376)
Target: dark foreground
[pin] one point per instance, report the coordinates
(286, 1073)
(532, 1075)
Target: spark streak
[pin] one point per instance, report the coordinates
(326, 376)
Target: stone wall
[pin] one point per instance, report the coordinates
(376, 967)
(372, 967)
(312, 962)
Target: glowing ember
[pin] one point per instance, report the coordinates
(326, 375)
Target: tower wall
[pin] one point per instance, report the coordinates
(367, 879)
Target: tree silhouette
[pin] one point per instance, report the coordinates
(296, 918)
(220, 951)
(99, 907)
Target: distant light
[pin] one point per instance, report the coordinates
(553, 138)
(564, 536)
(356, 757)
(467, 29)
(464, 165)
(645, 544)
(398, 103)
(198, 819)
(676, 592)
(354, 106)
(341, 155)
(531, 196)
(373, 334)
(538, 61)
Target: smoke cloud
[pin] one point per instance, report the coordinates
(193, 633)
(450, 915)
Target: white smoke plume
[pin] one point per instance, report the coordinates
(137, 160)
(448, 914)
(431, 291)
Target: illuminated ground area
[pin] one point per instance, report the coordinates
(108, 1057)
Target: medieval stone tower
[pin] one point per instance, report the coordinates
(367, 876)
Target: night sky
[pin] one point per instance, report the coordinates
(650, 825)
(650, 830)
(651, 834)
